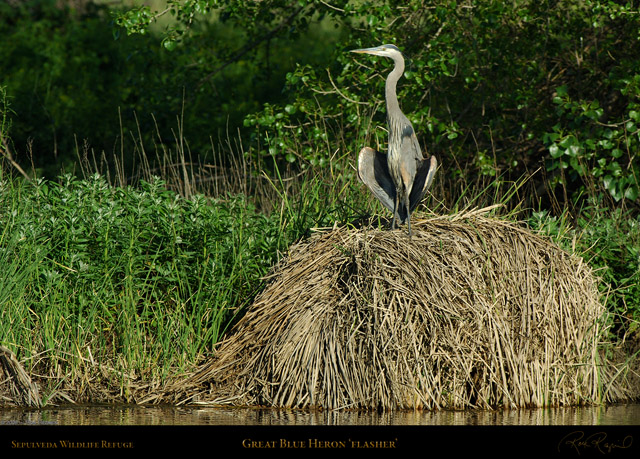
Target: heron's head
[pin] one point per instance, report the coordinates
(391, 51)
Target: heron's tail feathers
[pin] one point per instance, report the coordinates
(424, 177)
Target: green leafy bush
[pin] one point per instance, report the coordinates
(128, 269)
(593, 151)
(487, 83)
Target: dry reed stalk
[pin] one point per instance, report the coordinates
(472, 312)
(22, 391)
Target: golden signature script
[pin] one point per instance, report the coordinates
(579, 441)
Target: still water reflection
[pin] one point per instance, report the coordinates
(628, 414)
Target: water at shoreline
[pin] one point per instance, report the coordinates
(623, 414)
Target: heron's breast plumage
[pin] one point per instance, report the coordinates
(404, 153)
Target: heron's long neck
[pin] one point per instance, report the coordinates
(393, 107)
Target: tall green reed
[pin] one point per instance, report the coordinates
(141, 278)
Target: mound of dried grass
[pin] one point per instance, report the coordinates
(472, 312)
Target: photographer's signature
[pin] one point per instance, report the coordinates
(579, 441)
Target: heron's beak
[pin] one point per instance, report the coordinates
(375, 51)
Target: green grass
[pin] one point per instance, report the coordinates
(140, 279)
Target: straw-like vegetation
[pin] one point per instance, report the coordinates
(15, 381)
(474, 312)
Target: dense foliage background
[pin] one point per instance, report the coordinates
(491, 86)
(265, 94)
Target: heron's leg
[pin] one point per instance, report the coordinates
(408, 214)
(395, 212)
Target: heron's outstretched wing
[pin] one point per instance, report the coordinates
(424, 176)
(374, 172)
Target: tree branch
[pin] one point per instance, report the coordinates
(6, 152)
(252, 45)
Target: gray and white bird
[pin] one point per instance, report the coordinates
(400, 178)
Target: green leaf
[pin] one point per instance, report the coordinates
(606, 144)
(608, 182)
(568, 141)
(169, 44)
(562, 91)
(555, 151)
(631, 193)
(573, 150)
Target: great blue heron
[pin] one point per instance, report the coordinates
(400, 178)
